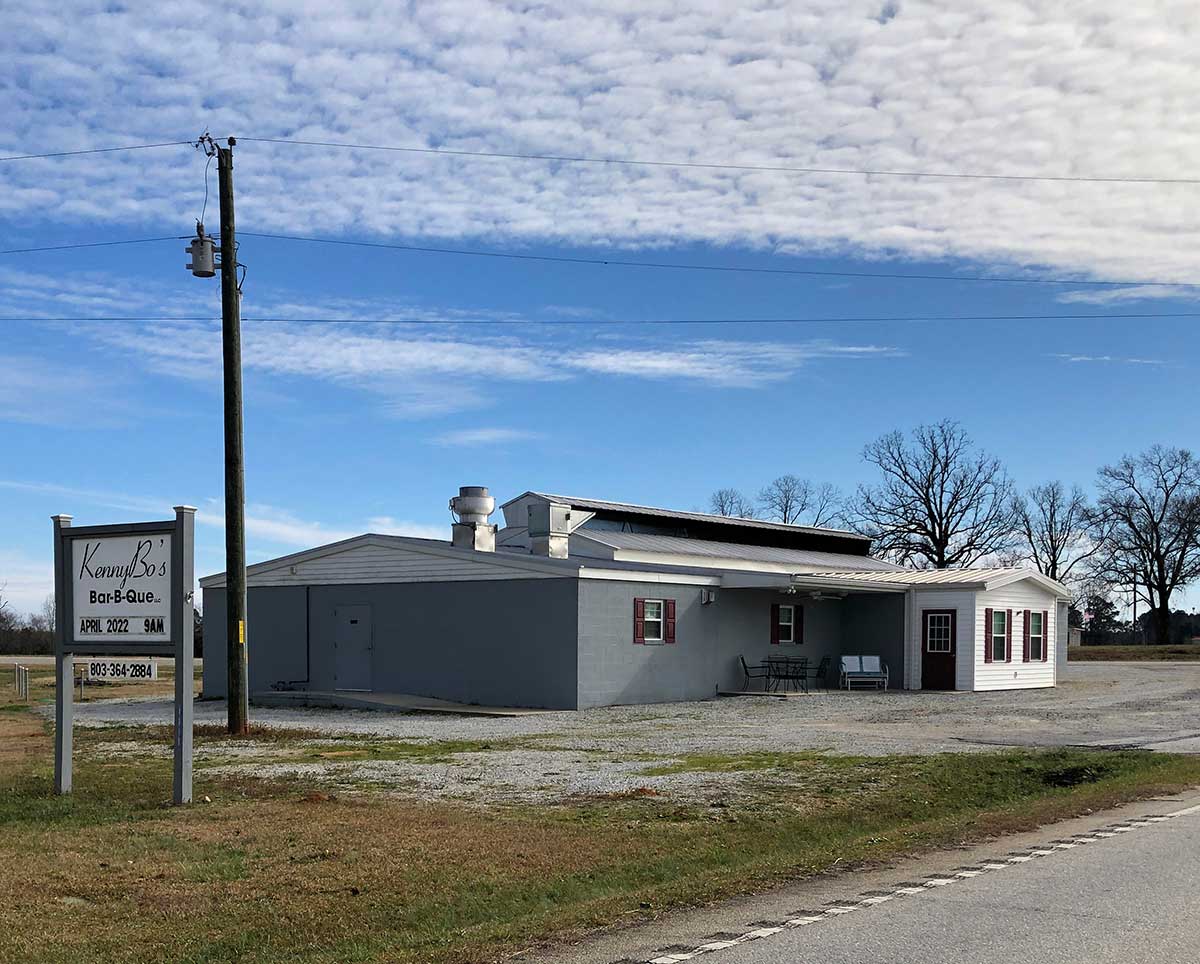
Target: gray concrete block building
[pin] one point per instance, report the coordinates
(577, 603)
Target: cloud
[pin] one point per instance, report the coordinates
(1117, 296)
(1108, 359)
(728, 364)
(484, 436)
(389, 526)
(25, 582)
(415, 371)
(268, 525)
(39, 391)
(832, 84)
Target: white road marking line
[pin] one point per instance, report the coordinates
(1045, 850)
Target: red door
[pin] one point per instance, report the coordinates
(938, 631)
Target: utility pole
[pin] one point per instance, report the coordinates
(235, 464)
(202, 266)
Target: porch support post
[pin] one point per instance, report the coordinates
(912, 658)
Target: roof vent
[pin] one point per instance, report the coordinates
(549, 529)
(471, 508)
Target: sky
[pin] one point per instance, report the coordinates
(388, 377)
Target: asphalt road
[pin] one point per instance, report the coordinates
(1128, 895)
(1130, 898)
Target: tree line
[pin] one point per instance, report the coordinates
(938, 501)
(33, 635)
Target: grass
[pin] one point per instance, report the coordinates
(274, 870)
(1086, 654)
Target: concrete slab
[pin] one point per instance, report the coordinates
(395, 702)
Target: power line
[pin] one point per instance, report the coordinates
(96, 150)
(714, 166)
(831, 319)
(637, 162)
(93, 244)
(625, 263)
(680, 266)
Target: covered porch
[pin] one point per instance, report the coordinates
(818, 620)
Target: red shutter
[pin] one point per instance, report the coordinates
(669, 620)
(1045, 635)
(1025, 640)
(774, 624)
(1008, 636)
(987, 635)
(639, 620)
(798, 624)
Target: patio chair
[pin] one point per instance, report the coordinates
(820, 674)
(874, 670)
(850, 666)
(756, 672)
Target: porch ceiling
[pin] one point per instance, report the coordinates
(783, 581)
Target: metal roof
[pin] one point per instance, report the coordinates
(679, 546)
(922, 577)
(602, 504)
(974, 578)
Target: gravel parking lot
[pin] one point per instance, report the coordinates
(617, 749)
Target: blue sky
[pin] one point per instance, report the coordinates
(520, 374)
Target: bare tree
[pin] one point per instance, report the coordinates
(826, 508)
(49, 612)
(731, 502)
(8, 619)
(1150, 507)
(1057, 528)
(793, 500)
(785, 498)
(941, 503)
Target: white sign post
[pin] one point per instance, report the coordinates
(124, 590)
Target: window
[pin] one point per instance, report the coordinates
(998, 640)
(653, 621)
(1037, 637)
(937, 633)
(786, 625)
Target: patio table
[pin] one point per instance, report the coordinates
(787, 671)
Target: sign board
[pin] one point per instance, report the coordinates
(121, 588)
(124, 590)
(102, 669)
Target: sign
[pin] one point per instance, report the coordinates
(121, 588)
(118, 670)
(124, 591)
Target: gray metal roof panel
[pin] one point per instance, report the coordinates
(602, 504)
(677, 545)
